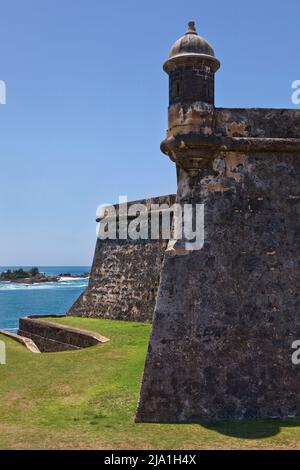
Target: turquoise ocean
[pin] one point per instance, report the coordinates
(18, 300)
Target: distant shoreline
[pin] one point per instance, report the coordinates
(42, 278)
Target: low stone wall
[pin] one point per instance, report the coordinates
(125, 276)
(52, 337)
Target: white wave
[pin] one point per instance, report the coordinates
(70, 278)
(44, 285)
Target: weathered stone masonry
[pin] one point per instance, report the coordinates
(226, 315)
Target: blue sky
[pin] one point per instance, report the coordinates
(87, 105)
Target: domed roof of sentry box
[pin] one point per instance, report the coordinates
(189, 50)
(191, 43)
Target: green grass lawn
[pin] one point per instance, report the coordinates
(87, 399)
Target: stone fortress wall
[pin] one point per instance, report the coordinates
(227, 314)
(125, 276)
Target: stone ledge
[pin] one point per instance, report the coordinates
(27, 342)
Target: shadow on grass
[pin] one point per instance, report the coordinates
(244, 429)
(250, 429)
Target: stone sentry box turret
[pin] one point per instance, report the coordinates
(226, 315)
(191, 68)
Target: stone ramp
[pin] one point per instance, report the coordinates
(27, 342)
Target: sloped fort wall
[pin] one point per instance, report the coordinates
(125, 276)
(226, 316)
